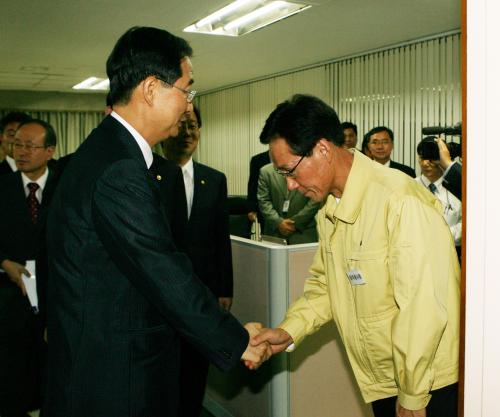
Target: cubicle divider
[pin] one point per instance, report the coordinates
(316, 379)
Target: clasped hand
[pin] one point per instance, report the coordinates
(263, 343)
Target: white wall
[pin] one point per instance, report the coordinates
(482, 343)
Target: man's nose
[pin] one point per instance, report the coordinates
(291, 183)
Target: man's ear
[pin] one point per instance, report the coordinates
(148, 89)
(324, 147)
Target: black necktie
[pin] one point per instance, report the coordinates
(33, 203)
(433, 188)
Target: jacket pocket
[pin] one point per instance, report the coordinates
(377, 338)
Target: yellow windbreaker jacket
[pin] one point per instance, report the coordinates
(401, 327)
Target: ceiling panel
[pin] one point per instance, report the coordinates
(57, 45)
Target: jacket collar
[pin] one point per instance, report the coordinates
(348, 208)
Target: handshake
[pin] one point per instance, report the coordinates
(263, 344)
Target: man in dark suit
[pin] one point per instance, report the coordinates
(8, 126)
(380, 145)
(256, 163)
(206, 243)
(23, 207)
(119, 291)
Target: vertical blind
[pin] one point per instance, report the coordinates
(404, 88)
(71, 127)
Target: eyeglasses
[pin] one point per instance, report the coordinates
(10, 133)
(380, 142)
(29, 147)
(190, 94)
(289, 172)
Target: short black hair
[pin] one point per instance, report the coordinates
(302, 121)
(15, 116)
(379, 129)
(364, 144)
(196, 111)
(50, 138)
(108, 101)
(349, 125)
(142, 52)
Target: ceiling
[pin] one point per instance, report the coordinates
(52, 45)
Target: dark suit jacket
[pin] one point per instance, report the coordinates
(453, 180)
(169, 178)
(5, 167)
(403, 168)
(256, 163)
(21, 240)
(207, 241)
(119, 291)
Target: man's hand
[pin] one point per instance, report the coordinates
(404, 412)
(14, 272)
(252, 216)
(287, 227)
(255, 355)
(225, 303)
(278, 338)
(444, 154)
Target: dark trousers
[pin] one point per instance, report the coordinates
(22, 353)
(193, 380)
(443, 403)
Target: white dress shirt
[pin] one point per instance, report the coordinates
(145, 148)
(188, 174)
(40, 181)
(452, 207)
(11, 162)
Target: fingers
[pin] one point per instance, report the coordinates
(253, 328)
(225, 303)
(279, 339)
(255, 356)
(444, 153)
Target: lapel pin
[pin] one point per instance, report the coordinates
(203, 182)
(158, 177)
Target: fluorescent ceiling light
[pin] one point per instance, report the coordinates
(93, 83)
(245, 16)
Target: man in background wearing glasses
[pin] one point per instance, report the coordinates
(26, 195)
(380, 145)
(386, 270)
(8, 126)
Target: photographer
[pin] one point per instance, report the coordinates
(434, 159)
(452, 175)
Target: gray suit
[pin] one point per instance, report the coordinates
(271, 194)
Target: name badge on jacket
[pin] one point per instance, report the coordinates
(356, 277)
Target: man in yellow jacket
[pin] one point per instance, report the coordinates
(386, 269)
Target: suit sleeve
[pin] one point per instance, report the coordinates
(305, 217)
(223, 243)
(271, 216)
(128, 220)
(253, 181)
(453, 180)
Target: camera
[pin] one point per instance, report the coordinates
(428, 149)
(438, 130)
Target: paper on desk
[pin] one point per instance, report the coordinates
(30, 284)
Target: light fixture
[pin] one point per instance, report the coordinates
(245, 16)
(92, 83)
